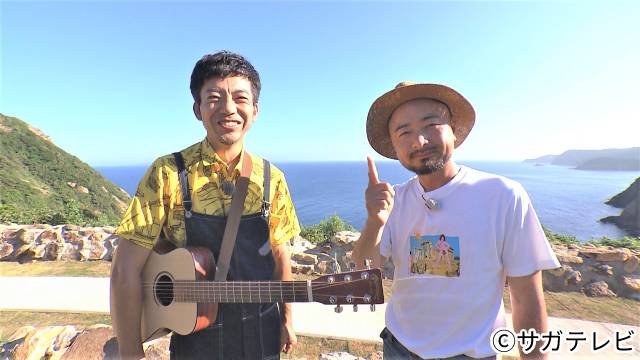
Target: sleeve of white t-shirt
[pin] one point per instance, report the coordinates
(526, 248)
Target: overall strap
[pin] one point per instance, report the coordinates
(266, 205)
(233, 220)
(184, 184)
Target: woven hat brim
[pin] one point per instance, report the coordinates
(462, 113)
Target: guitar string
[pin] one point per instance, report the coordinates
(185, 291)
(210, 285)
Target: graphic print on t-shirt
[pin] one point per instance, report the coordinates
(434, 254)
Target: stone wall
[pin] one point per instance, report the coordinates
(595, 271)
(41, 242)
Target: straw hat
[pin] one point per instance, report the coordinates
(462, 113)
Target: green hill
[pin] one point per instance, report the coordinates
(42, 183)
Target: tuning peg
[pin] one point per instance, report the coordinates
(338, 309)
(355, 308)
(372, 307)
(367, 263)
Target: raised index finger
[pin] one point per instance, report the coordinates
(373, 172)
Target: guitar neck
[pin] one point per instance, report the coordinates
(242, 291)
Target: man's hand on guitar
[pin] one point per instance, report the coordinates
(288, 337)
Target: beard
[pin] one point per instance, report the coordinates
(226, 140)
(428, 166)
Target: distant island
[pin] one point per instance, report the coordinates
(606, 159)
(41, 183)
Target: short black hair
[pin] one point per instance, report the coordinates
(223, 64)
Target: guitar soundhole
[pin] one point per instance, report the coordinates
(164, 290)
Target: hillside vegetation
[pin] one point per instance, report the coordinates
(42, 183)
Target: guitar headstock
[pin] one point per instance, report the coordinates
(362, 287)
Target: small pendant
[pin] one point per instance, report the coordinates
(228, 187)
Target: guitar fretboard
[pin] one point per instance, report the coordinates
(238, 291)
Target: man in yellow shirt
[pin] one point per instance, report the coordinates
(192, 212)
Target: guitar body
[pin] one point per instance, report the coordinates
(179, 293)
(161, 315)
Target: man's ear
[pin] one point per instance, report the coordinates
(196, 110)
(255, 111)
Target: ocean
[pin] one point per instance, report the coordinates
(567, 201)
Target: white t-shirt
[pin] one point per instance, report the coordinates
(447, 290)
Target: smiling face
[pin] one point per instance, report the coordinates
(422, 136)
(227, 110)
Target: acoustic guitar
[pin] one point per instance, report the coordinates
(180, 294)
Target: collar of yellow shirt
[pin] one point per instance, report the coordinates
(211, 158)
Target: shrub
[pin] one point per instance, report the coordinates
(325, 229)
(626, 242)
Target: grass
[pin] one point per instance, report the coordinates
(56, 268)
(311, 347)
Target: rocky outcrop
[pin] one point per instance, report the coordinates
(25, 243)
(96, 343)
(595, 271)
(69, 343)
(327, 257)
(629, 201)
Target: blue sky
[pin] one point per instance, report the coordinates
(109, 81)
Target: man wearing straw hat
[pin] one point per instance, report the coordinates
(488, 221)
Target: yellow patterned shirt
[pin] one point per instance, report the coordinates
(156, 209)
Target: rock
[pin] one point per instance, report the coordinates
(300, 245)
(109, 247)
(5, 250)
(598, 289)
(70, 227)
(83, 189)
(21, 333)
(304, 258)
(605, 254)
(378, 355)
(301, 268)
(345, 237)
(93, 249)
(630, 265)
(50, 235)
(339, 355)
(326, 248)
(52, 251)
(603, 269)
(324, 267)
(71, 184)
(47, 343)
(631, 283)
(614, 255)
(68, 252)
(569, 259)
(574, 278)
(8, 348)
(90, 344)
(559, 272)
(158, 348)
(24, 236)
